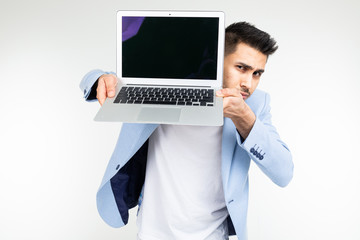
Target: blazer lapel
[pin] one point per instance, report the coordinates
(228, 146)
(132, 137)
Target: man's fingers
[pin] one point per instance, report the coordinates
(229, 102)
(101, 91)
(110, 83)
(228, 92)
(106, 87)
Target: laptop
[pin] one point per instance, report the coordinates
(169, 67)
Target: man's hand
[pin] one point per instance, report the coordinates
(237, 110)
(106, 87)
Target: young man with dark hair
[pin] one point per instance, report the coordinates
(196, 181)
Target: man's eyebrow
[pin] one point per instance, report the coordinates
(250, 67)
(245, 65)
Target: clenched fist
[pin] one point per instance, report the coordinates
(106, 87)
(237, 110)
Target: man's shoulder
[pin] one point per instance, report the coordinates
(258, 94)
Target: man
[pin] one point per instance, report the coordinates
(196, 181)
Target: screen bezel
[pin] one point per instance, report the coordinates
(215, 83)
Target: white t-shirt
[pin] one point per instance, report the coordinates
(183, 195)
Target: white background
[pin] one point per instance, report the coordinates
(53, 155)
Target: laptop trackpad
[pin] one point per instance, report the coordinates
(159, 114)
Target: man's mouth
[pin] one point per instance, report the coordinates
(245, 95)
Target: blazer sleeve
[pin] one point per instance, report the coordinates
(88, 81)
(267, 150)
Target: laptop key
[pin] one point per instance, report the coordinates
(169, 103)
(208, 99)
(149, 102)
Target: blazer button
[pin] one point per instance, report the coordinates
(117, 167)
(252, 150)
(258, 155)
(261, 157)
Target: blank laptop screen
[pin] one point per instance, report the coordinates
(170, 47)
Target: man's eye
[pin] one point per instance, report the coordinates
(257, 74)
(240, 67)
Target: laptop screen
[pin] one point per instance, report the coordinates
(170, 47)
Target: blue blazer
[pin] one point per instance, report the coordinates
(124, 176)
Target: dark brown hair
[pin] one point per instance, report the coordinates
(243, 32)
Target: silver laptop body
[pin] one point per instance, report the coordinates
(169, 66)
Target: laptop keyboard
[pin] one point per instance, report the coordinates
(166, 96)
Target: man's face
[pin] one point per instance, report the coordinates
(243, 69)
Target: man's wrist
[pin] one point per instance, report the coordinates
(244, 124)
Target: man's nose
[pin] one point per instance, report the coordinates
(246, 81)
